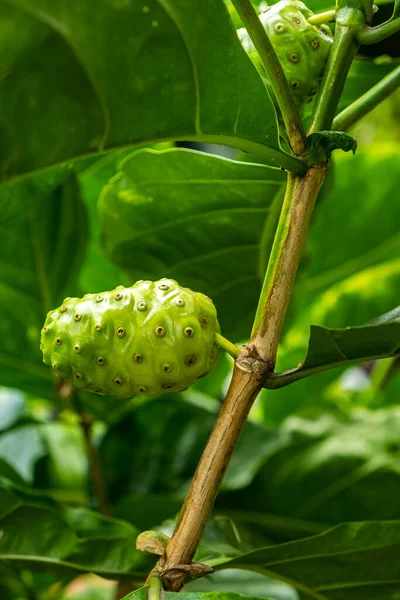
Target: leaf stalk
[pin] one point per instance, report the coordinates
(370, 100)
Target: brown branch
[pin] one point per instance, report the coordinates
(255, 362)
(246, 382)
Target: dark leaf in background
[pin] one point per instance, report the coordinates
(157, 446)
(332, 471)
(42, 245)
(41, 534)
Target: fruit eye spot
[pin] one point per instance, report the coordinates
(203, 320)
(97, 327)
(166, 386)
(78, 376)
(138, 358)
(63, 309)
(313, 91)
(58, 341)
(294, 57)
(118, 381)
(77, 348)
(179, 302)
(97, 390)
(296, 20)
(295, 84)
(100, 360)
(159, 331)
(77, 317)
(55, 365)
(45, 329)
(280, 28)
(142, 306)
(99, 299)
(118, 296)
(142, 389)
(166, 368)
(163, 286)
(315, 44)
(190, 361)
(189, 331)
(120, 332)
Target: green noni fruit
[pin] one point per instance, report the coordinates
(302, 48)
(151, 338)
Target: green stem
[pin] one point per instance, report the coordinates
(373, 35)
(301, 193)
(344, 48)
(324, 17)
(275, 74)
(363, 105)
(226, 345)
(155, 591)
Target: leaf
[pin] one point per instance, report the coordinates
(331, 348)
(353, 561)
(39, 534)
(319, 146)
(169, 437)
(42, 243)
(66, 461)
(22, 447)
(141, 594)
(204, 220)
(332, 470)
(160, 81)
(243, 582)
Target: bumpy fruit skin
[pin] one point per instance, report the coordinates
(302, 48)
(151, 338)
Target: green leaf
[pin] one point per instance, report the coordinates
(169, 437)
(349, 562)
(243, 582)
(141, 594)
(160, 81)
(204, 220)
(319, 146)
(42, 243)
(21, 448)
(39, 534)
(331, 348)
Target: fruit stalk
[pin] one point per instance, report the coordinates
(350, 20)
(282, 91)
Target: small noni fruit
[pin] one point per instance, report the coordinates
(151, 338)
(302, 48)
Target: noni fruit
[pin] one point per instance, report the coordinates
(151, 338)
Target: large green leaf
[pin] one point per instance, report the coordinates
(356, 561)
(126, 73)
(331, 471)
(40, 534)
(204, 220)
(42, 244)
